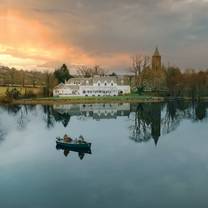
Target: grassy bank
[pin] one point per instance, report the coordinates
(107, 99)
(23, 90)
(77, 100)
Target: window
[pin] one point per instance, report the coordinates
(105, 84)
(111, 84)
(84, 91)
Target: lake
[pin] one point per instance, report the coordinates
(142, 155)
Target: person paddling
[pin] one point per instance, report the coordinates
(67, 138)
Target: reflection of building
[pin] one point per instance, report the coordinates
(156, 122)
(96, 111)
(93, 86)
(147, 123)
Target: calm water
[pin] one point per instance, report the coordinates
(149, 155)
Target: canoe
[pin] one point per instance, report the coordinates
(74, 149)
(72, 145)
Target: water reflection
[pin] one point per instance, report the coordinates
(146, 121)
(67, 150)
(125, 168)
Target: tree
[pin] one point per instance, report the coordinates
(139, 64)
(62, 74)
(84, 71)
(174, 79)
(34, 78)
(12, 76)
(23, 78)
(12, 93)
(113, 74)
(50, 82)
(87, 71)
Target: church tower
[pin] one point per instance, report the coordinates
(156, 60)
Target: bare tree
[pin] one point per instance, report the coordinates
(12, 74)
(84, 71)
(23, 78)
(49, 83)
(34, 78)
(97, 70)
(139, 63)
(87, 71)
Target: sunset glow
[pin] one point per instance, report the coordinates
(40, 35)
(27, 43)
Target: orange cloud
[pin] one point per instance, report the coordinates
(26, 42)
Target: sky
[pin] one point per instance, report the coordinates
(43, 34)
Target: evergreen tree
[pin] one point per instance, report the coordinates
(62, 74)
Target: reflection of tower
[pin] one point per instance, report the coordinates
(156, 122)
(156, 60)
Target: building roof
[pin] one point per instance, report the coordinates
(156, 53)
(75, 83)
(63, 86)
(104, 79)
(80, 81)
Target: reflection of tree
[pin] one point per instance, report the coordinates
(52, 116)
(175, 112)
(13, 109)
(140, 130)
(2, 134)
(48, 118)
(147, 119)
(200, 110)
(62, 117)
(171, 119)
(21, 112)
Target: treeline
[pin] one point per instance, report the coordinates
(188, 83)
(170, 81)
(17, 80)
(12, 76)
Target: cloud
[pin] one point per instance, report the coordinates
(107, 32)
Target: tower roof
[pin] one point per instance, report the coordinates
(156, 53)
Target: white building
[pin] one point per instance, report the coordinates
(94, 86)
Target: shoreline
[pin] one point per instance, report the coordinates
(91, 100)
(84, 100)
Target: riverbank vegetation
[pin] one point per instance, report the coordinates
(146, 84)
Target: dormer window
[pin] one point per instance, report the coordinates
(111, 83)
(105, 84)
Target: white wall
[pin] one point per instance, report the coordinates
(98, 91)
(65, 92)
(124, 88)
(95, 90)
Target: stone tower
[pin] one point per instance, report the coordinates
(156, 60)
